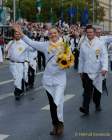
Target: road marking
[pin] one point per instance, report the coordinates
(39, 73)
(39, 88)
(1, 67)
(6, 82)
(3, 137)
(66, 98)
(9, 81)
(6, 95)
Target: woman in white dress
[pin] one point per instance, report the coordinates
(54, 78)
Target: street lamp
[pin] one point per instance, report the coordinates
(1, 10)
(38, 9)
(93, 3)
(61, 6)
(110, 15)
(77, 9)
(19, 9)
(14, 10)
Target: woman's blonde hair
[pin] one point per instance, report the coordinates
(52, 30)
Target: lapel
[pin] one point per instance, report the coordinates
(91, 43)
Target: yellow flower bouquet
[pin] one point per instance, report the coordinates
(65, 58)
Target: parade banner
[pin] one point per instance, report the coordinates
(85, 17)
(72, 11)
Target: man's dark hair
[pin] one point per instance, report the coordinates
(90, 27)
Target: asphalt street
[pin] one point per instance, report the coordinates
(29, 118)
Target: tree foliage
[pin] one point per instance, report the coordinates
(52, 9)
(24, 8)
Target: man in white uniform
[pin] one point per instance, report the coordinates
(32, 58)
(107, 39)
(110, 55)
(1, 56)
(93, 65)
(17, 54)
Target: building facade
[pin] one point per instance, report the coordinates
(107, 22)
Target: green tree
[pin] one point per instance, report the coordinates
(51, 9)
(28, 9)
(25, 8)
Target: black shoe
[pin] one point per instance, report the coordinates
(18, 93)
(21, 94)
(18, 96)
(83, 110)
(54, 131)
(31, 86)
(98, 109)
(26, 86)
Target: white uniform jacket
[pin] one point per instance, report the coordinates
(92, 60)
(1, 56)
(110, 51)
(106, 39)
(17, 54)
(54, 78)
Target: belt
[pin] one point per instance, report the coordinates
(26, 61)
(15, 61)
